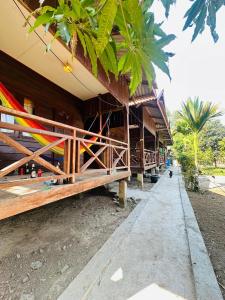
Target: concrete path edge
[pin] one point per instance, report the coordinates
(206, 284)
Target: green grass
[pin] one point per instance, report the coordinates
(213, 171)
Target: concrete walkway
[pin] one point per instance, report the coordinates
(157, 253)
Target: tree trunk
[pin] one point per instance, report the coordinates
(196, 150)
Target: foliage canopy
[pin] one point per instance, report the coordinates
(122, 34)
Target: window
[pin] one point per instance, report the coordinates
(7, 119)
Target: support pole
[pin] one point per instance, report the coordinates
(157, 148)
(140, 179)
(127, 134)
(123, 193)
(142, 143)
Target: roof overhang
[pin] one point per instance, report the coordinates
(143, 95)
(29, 49)
(157, 111)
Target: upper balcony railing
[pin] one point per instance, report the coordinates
(109, 154)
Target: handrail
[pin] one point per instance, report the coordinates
(116, 151)
(16, 127)
(149, 150)
(28, 116)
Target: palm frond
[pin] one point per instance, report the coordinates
(197, 113)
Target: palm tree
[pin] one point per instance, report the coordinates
(197, 113)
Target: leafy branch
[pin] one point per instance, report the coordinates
(120, 34)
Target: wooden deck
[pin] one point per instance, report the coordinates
(105, 160)
(18, 199)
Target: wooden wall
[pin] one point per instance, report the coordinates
(49, 101)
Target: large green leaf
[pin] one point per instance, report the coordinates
(134, 11)
(136, 73)
(122, 62)
(146, 5)
(82, 40)
(91, 53)
(165, 40)
(64, 32)
(105, 63)
(76, 6)
(194, 10)
(167, 4)
(41, 20)
(105, 25)
(200, 23)
(112, 59)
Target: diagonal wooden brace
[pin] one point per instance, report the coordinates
(119, 159)
(30, 155)
(119, 156)
(94, 157)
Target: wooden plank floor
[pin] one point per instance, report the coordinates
(18, 199)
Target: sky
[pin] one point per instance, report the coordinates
(198, 68)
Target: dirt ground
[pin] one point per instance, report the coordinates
(209, 209)
(41, 251)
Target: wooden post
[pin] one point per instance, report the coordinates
(73, 158)
(123, 193)
(67, 158)
(157, 148)
(127, 134)
(142, 144)
(109, 154)
(100, 116)
(78, 158)
(140, 179)
(110, 158)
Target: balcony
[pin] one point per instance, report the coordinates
(143, 161)
(105, 160)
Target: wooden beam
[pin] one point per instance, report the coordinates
(27, 181)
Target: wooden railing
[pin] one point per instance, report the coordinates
(149, 158)
(109, 154)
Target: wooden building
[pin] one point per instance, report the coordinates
(86, 117)
(149, 131)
